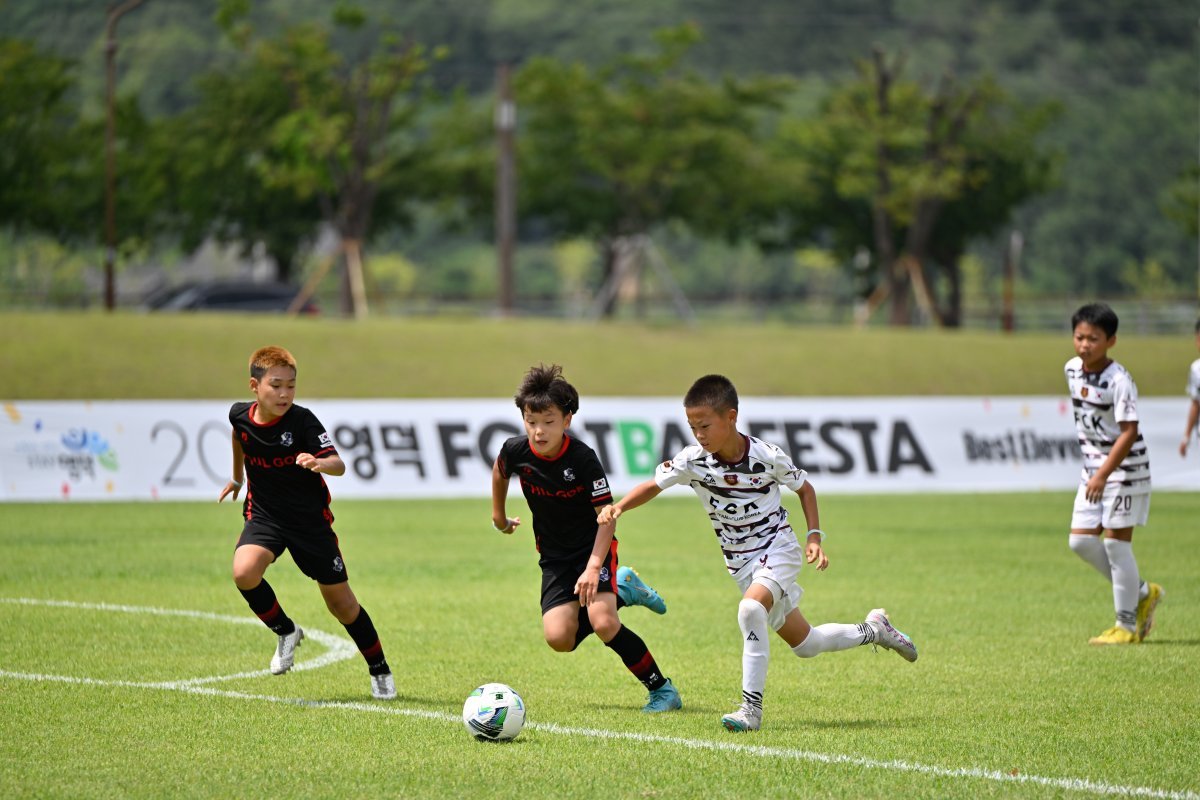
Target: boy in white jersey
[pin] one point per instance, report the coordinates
(1193, 393)
(1114, 490)
(737, 478)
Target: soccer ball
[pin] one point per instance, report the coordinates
(494, 712)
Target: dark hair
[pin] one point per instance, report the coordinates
(545, 387)
(1098, 314)
(714, 391)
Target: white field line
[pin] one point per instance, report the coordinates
(194, 686)
(338, 648)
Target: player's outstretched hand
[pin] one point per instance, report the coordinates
(814, 554)
(231, 488)
(308, 461)
(510, 524)
(608, 514)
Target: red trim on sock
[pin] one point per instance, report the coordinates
(269, 616)
(642, 667)
(373, 652)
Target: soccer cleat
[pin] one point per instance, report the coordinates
(664, 698)
(746, 718)
(890, 638)
(383, 687)
(1145, 610)
(285, 651)
(1115, 635)
(634, 591)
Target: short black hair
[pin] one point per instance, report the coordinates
(1098, 314)
(544, 387)
(715, 391)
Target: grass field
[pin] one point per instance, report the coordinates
(94, 356)
(1007, 699)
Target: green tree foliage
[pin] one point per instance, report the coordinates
(914, 175)
(610, 153)
(315, 125)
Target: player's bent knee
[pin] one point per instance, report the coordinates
(751, 614)
(561, 644)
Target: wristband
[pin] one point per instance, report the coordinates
(817, 531)
(236, 484)
(500, 530)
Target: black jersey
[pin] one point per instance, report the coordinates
(563, 492)
(278, 492)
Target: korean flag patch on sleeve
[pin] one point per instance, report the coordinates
(599, 487)
(325, 439)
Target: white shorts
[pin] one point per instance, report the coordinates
(777, 571)
(1117, 509)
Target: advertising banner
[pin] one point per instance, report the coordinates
(180, 450)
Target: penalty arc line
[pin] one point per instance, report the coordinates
(340, 649)
(996, 776)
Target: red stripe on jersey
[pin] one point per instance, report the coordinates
(612, 565)
(257, 424)
(556, 456)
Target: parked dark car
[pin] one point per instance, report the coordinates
(227, 296)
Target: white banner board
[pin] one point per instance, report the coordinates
(168, 450)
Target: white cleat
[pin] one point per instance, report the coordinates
(285, 651)
(746, 718)
(383, 687)
(890, 638)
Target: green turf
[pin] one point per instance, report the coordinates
(999, 606)
(94, 356)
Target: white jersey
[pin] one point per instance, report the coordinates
(1102, 400)
(1193, 387)
(743, 499)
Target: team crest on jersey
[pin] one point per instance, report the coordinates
(338, 566)
(666, 465)
(732, 480)
(286, 439)
(604, 574)
(568, 474)
(1083, 392)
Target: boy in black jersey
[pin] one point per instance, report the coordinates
(566, 487)
(284, 450)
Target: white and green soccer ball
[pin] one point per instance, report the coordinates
(494, 712)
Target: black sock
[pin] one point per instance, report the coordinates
(585, 628)
(636, 657)
(362, 631)
(262, 601)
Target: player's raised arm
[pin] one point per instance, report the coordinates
(643, 493)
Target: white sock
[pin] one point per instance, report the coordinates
(756, 649)
(834, 636)
(1125, 581)
(1091, 549)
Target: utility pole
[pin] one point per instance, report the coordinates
(1008, 313)
(506, 185)
(115, 12)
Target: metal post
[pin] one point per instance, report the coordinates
(110, 161)
(506, 186)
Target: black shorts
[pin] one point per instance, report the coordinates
(315, 552)
(559, 577)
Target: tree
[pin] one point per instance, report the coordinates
(612, 152)
(913, 176)
(317, 125)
